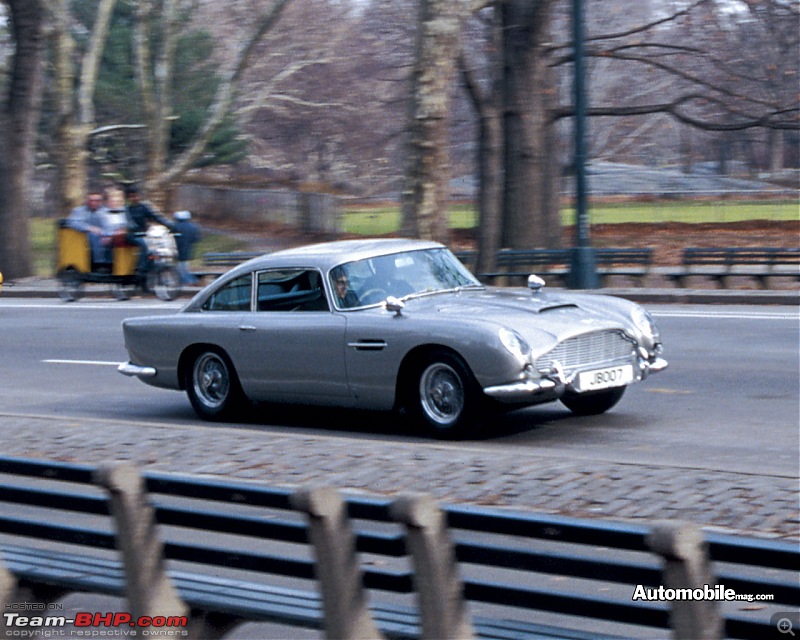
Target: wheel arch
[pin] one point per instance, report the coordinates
(190, 353)
(410, 368)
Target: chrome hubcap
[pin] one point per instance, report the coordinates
(441, 394)
(211, 380)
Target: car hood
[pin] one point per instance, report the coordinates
(542, 318)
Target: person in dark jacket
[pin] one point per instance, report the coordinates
(139, 216)
(188, 234)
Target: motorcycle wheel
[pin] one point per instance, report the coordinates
(165, 282)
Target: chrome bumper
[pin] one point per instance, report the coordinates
(135, 370)
(552, 387)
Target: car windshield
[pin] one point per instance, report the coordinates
(370, 281)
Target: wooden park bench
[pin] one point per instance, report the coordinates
(723, 263)
(209, 555)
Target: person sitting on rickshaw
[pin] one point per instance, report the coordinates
(92, 219)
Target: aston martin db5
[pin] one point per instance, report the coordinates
(392, 324)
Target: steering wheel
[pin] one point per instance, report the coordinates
(377, 293)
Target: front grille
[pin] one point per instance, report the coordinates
(588, 351)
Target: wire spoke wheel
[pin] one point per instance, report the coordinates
(441, 394)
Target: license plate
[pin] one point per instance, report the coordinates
(605, 378)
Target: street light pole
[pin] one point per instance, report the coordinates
(583, 272)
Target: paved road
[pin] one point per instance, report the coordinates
(726, 456)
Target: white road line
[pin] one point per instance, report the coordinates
(100, 363)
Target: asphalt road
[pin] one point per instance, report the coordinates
(728, 402)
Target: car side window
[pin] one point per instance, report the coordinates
(234, 296)
(290, 290)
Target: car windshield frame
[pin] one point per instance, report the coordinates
(402, 274)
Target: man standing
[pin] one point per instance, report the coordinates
(92, 219)
(187, 235)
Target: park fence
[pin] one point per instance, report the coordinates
(314, 213)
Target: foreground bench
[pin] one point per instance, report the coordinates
(723, 263)
(357, 552)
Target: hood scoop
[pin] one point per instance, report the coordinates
(555, 307)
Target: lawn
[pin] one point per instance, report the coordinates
(381, 220)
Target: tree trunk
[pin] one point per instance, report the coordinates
(530, 199)
(427, 190)
(489, 151)
(18, 121)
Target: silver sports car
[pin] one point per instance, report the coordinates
(391, 324)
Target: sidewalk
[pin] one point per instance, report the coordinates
(758, 505)
(48, 288)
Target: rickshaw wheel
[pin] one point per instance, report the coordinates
(69, 285)
(122, 291)
(165, 282)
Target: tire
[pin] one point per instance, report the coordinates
(69, 285)
(122, 292)
(592, 404)
(213, 387)
(445, 399)
(165, 282)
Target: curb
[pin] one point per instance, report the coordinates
(47, 288)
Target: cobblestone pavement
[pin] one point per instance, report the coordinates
(760, 505)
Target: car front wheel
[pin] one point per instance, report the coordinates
(447, 399)
(592, 404)
(212, 386)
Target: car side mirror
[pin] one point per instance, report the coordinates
(395, 305)
(535, 283)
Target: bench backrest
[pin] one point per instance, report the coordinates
(730, 256)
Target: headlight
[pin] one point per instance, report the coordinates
(515, 344)
(645, 323)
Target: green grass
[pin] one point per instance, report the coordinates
(719, 211)
(386, 219)
(380, 220)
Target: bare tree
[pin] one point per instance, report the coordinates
(74, 89)
(262, 19)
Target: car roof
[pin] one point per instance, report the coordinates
(327, 255)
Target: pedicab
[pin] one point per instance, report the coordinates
(77, 266)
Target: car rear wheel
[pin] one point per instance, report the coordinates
(212, 386)
(592, 404)
(447, 400)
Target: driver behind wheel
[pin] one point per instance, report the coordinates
(345, 296)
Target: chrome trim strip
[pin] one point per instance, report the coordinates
(520, 390)
(129, 369)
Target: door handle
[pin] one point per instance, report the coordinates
(246, 327)
(367, 345)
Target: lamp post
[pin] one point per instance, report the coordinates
(583, 272)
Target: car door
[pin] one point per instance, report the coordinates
(292, 346)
